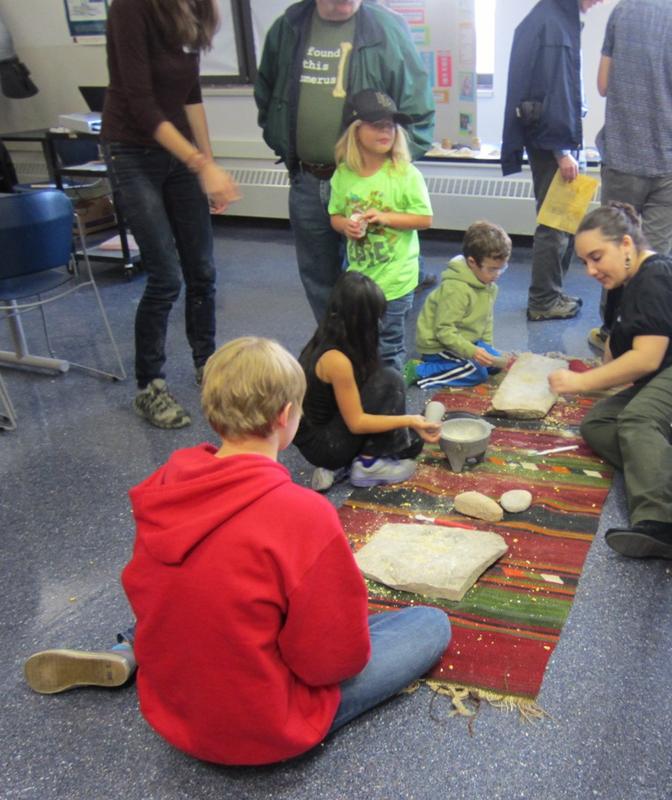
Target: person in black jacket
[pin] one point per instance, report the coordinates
(544, 109)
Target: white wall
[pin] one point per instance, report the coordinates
(58, 66)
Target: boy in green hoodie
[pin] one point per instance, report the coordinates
(454, 330)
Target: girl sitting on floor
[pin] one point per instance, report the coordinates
(354, 412)
(631, 429)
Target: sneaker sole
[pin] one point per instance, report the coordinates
(322, 480)
(364, 483)
(54, 671)
(598, 344)
(541, 317)
(638, 545)
(181, 422)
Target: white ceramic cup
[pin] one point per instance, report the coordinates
(434, 411)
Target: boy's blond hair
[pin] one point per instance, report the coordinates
(484, 239)
(347, 149)
(246, 384)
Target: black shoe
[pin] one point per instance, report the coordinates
(428, 282)
(646, 539)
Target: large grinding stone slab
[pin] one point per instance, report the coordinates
(429, 559)
(524, 392)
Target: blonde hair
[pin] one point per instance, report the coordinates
(347, 148)
(246, 384)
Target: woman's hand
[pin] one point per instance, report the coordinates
(564, 381)
(219, 186)
(428, 431)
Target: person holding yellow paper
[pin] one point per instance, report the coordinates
(543, 116)
(566, 202)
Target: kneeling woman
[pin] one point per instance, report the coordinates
(355, 409)
(631, 429)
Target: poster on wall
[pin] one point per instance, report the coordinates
(87, 20)
(445, 35)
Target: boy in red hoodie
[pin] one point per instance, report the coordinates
(252, 637)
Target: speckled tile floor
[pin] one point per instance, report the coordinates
(66, 532)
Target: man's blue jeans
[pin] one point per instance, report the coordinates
(319, 248)
(404, 646)
(169, 217)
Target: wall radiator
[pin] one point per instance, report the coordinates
(457, 199)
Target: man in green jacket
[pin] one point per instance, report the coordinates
(455, 326)
(316, 54)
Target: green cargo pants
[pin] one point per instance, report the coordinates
(631, 430)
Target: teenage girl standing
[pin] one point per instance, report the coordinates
(160, 162)
(379, 201)
(354, 412)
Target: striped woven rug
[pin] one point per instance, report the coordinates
(508, 624)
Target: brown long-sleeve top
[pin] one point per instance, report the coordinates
(150, 81)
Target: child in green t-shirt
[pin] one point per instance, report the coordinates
(379, 201)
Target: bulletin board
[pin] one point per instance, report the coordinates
(444, 33)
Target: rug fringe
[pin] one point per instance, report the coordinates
(465, 700)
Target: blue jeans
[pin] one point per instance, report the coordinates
(404, 646)
(169, 217)
(319, 248)
(393, 331)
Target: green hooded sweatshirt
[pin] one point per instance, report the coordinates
(458, 313)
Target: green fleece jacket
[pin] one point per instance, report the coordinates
(457, 314)
(383, 58)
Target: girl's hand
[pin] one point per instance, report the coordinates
(483, 358)
(428, 431)
(372, 216)
(564, 381)
(354, 228)
(219, 186)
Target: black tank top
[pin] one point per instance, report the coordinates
(319, 405)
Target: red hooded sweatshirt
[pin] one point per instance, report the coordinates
(250, 608)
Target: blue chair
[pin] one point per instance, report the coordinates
(8, 415)
(36, 246)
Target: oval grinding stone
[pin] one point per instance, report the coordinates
(516, 500)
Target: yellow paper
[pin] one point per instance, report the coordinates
(566, 202)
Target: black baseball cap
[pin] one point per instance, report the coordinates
(370, 105)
